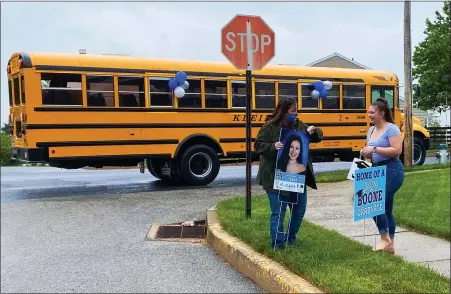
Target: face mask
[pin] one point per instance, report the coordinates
(292, 118)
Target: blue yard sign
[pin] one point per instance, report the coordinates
(369, 192)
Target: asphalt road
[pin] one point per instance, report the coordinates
(19, 183)
(84, 231)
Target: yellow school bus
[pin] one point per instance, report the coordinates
(78, 110)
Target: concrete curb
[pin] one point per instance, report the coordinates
(266, 273)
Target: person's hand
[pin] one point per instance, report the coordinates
(310, 129)
(278, 145)
(367, 151)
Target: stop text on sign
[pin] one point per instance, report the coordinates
(258, 42)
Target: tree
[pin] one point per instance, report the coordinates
(432, 63)
(432, 122)
(6, 128)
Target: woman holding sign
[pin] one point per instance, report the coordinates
(267, 145)
(384, 145)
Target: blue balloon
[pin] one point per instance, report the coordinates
(180, 77)
(323, 93)
(319, 85)
(172, 84)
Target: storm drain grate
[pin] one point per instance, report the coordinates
(178, 232)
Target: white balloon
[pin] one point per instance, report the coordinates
(179, 92)
(328, 85)
(185, 85)
(315, 94)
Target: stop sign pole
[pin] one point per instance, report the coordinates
(252, 58)
(248, 119)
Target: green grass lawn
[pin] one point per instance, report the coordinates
(423, 203)
(328, 259)
(340, 175)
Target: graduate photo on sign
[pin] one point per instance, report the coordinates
(291, 166)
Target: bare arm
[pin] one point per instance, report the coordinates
(395, 148)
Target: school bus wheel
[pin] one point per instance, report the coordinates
(151, 168)
(199, 165)
(155, 166)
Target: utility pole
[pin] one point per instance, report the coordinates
(408, 132)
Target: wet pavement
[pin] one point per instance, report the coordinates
(21, 183)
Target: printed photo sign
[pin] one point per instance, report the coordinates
(292, 161)
(369, 192)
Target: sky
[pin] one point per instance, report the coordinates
(371, 33)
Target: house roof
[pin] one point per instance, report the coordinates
(339, 56)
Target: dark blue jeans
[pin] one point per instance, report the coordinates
(278, 235)
(395, 178)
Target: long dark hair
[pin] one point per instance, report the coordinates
(382, 104)
(284, 155)
(279, 114)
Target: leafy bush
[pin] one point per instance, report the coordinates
(6, 150)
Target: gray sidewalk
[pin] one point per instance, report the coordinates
(331, 206)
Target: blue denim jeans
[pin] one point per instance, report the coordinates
(395, 178)
(278, 235)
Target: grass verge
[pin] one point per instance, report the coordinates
(423, 203)
(328, 259)
(340, 175)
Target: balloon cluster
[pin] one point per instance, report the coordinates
(179, 84)
(320, 88)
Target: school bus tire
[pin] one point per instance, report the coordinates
(199, 165)
(154, 167)
(151, 168)
(418, 154)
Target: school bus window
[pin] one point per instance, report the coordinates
(16, 91)
(307, 100)
(10, 92)
(215, 94)
(333, 98)
(61, 89)
(265, 95)
(354, 97)
(386, 92)
(22, 83)
(131, 91)
(238, 94)
(160, 94)
(192, 96)
(288, 91)
(100, 90)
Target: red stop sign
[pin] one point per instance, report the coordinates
(234, 42)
